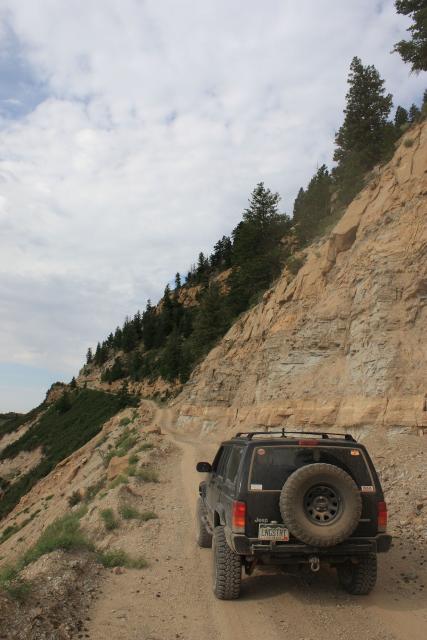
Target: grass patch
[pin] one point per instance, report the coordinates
(64, 533)
(124, 422)
(133, 459)
(121, 479)
(119, 558)
(408, 142)
(109, 519)
(145, 474)
(130, 513)
(145, 447)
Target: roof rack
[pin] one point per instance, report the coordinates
(325, 435)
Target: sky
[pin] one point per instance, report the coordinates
(132, 133)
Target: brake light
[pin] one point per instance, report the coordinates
(308, 443)
(382, 516)
(238, 516)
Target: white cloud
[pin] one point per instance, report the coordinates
(160, 119)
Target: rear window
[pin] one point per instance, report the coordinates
(272, 465)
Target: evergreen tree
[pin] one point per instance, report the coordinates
(171, 360)
(400, 119)
(414, 113)
(414, 50)
(149, 326)
(313, 205)
(63, 404)
(177, 282)
(97, 356)
(211, 322)
(89, 356)
(73, 383)
(118, 338)
(366, 131)
(129, 336)
(257, 251)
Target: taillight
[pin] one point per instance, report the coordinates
(238, 516)
(308, 443)
(382, 516)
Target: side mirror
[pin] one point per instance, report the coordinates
(204, 467)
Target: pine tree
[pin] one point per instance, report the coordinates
(118, 338)
(365, 132)
(257, 251)
(211, 322)
(63, 404)
(89, 356)
(400, 119)
(149, 326)
(73, 383)
(414, 50)
(313, 205)
(414, 113)
(177, 282)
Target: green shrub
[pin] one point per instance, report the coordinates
(121, 479)
(15, 587)
(408, 142)
(145, 447)
(129, 513)
(109, 519)
(125, 421)
(146, 474)
(148, 515)
(74, 498)
(8, 532)
(64, 533)
(94, 489)
(119, 558)
(133, 459)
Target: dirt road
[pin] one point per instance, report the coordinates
(172, 599)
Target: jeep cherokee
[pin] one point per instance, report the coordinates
(292, 498)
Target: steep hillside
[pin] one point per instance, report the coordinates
(343, 343)
(32, 445)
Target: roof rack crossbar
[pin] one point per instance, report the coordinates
(325, 435)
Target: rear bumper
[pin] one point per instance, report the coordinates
(288, 550)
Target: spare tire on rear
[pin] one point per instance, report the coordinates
(320, 504)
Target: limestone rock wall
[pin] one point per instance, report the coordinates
(344, 343)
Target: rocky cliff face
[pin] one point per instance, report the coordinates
(342, 344)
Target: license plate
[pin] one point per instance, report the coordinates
(273, 532)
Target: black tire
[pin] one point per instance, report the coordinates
(227, 568)
(320, 504)
(203, 537)
(358, 578)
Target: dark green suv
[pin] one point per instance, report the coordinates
(292, 498)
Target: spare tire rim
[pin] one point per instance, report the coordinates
(322, 504)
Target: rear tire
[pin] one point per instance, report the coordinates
(358, 579)
(203, 537)
(227, 568)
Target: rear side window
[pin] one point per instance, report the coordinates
(222, 462)
(272, 466)
(233, 464)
